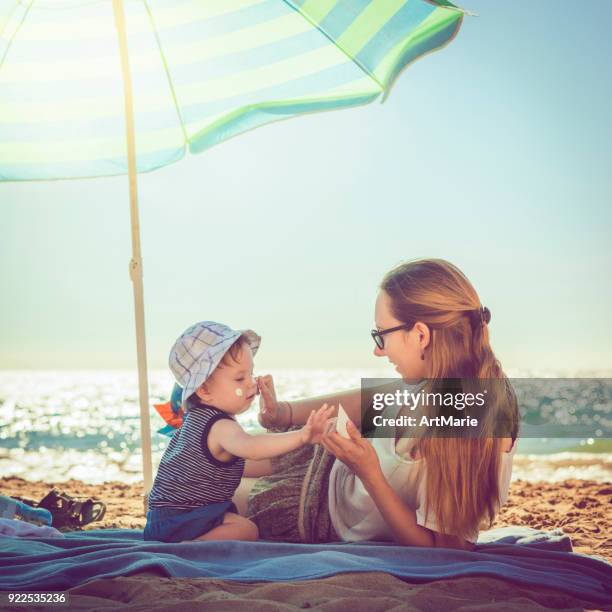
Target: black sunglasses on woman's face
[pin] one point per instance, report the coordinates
(377, 334)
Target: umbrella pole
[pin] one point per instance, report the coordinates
(136, 262)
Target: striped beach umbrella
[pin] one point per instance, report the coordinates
(92, 88)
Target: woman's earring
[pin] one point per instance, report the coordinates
(422, 356)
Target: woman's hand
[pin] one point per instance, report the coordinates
(356, 453)
(316, 424)
(271, 414)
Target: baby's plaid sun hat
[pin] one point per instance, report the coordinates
(199, 350)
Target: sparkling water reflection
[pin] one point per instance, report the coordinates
(85, 425)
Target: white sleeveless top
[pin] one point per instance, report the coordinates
(354, 514)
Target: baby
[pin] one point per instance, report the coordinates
(200, 470)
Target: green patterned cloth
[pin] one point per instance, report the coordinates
(291, 504)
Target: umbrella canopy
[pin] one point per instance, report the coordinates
(202, 71)
(74, 103)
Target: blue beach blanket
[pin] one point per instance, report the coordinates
(519, 554)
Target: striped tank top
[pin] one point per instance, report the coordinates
(188, 475)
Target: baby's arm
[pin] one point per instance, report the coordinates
(232, 438)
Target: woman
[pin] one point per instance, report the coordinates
(420, 491)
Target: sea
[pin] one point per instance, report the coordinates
(84, 424)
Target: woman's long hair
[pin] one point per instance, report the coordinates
(462, 472)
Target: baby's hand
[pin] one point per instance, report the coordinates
(316, 425)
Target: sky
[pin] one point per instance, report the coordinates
(493, 153)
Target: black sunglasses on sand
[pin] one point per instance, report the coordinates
(378, 338)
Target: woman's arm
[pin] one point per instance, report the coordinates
(350, 400)
(286, 414)
(359, 455)
(400, 519)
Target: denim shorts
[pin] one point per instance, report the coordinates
(173, 525)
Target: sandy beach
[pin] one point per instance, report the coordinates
(582, 508)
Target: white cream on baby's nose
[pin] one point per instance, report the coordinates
(239, 392)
